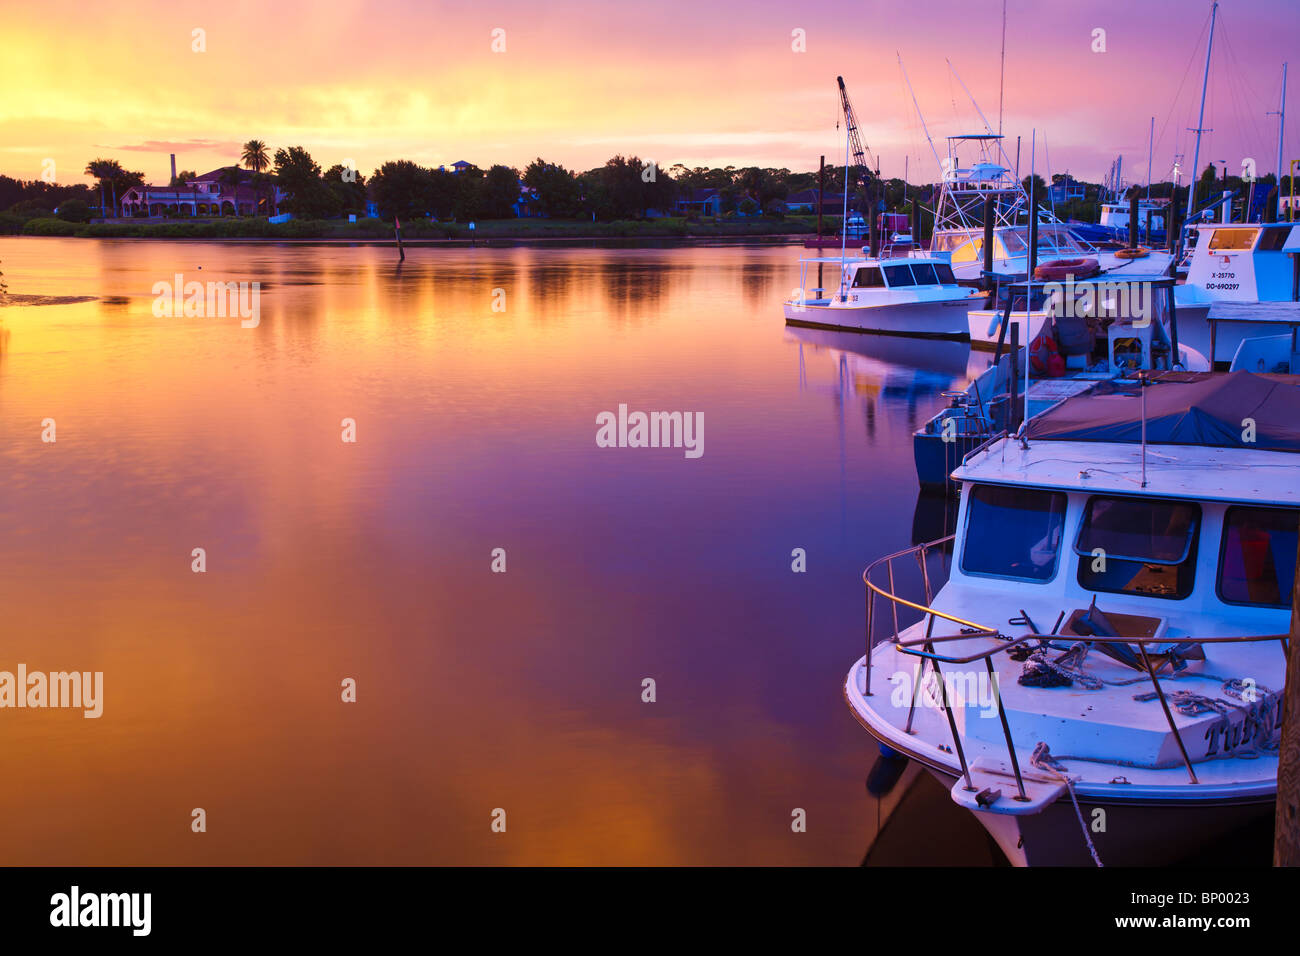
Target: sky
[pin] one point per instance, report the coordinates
(576, 81)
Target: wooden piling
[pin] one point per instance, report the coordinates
(397, 231)
(989, 216)
(1286, 828)
(821, 184)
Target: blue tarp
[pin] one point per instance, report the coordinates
(1182, 408)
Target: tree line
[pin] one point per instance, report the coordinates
(624, 187)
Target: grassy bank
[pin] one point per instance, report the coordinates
(375, 229)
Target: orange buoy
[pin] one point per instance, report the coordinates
(1059, 269)
(1141, 252)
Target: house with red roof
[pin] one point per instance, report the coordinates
(227, 191)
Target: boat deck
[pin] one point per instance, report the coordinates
(1085, 729)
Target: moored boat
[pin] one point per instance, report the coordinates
(917, 296)
(1099, 678)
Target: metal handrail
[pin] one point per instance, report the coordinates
(924, 648)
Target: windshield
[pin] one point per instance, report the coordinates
(1259, 556)
(1138, 546)
(1052, 240)
(1013, 532)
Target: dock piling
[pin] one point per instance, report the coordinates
(1286, 826)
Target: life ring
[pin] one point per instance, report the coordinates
(1064, 268)
(1141, 252)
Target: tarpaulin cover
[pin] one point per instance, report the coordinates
(1182, 408)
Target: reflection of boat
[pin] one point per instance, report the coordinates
(941, 361)
(916, 296)
(935, 516)
(1100, 676)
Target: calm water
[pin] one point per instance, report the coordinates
(328, 560)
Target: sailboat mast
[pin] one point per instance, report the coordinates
(1151, 145)
(1281, 125)
(1002, 70)
(1200, 122)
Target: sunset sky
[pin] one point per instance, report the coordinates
(697, 83)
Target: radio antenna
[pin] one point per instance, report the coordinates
(1142, 387)
(919, 115)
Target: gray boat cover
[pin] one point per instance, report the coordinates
(1182, 408)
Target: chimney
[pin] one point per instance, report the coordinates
(173, 179)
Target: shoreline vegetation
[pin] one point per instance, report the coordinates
(427, 232)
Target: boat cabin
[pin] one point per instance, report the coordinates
(864, 279)
(1192, 534)
(1245, 262)
(1199, 522)
(1055, 241)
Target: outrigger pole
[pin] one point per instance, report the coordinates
(1200, 123)
(919, 114)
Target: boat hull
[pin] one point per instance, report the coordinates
(944, 319)
(1137, 833)
(1194, 331)
(984, 325)
(1155, 826)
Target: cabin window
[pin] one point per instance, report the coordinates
(1138, 546)
(1013, 532)
(924, 273)
(868, 277)
(1014, 241)
(1273, 240)
(898, 276)
(944, 272)
(1225, 239)
(1257, 563)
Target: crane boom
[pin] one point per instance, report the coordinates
(860, 154)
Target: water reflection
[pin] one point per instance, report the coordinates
(371, 560)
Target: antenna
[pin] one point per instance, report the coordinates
(1032, 257)
(1280, 113)
(1002, 153)
(1142, 387)
(1200, 124)
(1002, 70)
(938, 162)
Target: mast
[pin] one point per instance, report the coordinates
(1281, 125)
(844, 218)
(919, 115)
(1200, 121)
(1151, 145)
(1002, 70)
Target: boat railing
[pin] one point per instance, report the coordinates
(925, 647)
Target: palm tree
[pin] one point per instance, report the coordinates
(104, 170)
(255, 158)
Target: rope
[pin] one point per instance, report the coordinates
(1041, 672)
(1043, 760)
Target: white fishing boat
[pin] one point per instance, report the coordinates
(988, 185)
(916, 296)
(1234, 268)
(1099, 678)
